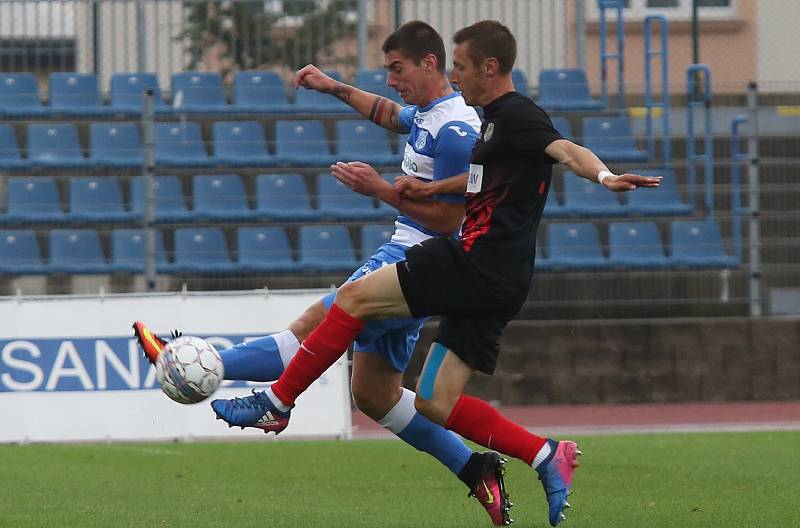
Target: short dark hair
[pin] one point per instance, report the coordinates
(489, 38)
(416, 40)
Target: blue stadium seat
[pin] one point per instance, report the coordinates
(240, 144)
(129, 249)
(314, 102)
(541, 261)
(127, 92)
(563, 126)
(326, 248)
(260, 92)
(574, 246)
(169, 199)
(520, 81)
(338, 202)
(552, 207)
(374, 236)
(10, 157)
(611, 139)
(201, 250)
(115, 145)
(20, 253)
(19, 95)
(33, 199)
(362, 140)
(76, 251)
(96, 199)
(635, 245)
(264, 250)
(180, 145)
(374, 81)
(283, 197)
(55, 145)
(198, 93)
(663, 200)
(76, 94)
(302, 144)
(566, 89)
(220, 197)
(585, 198)
(698, 244)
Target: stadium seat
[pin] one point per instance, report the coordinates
(314, 102)
(76, 251)
(574, 246)
(220, 197)
(283, 197)
(552, 207)
(20, 253)
(541, 261)
(326, 248)
(201, 250)
(240, 144)
(129, 249)
(338, 202)
(115, 145)
(635, 245)
(19, 95)
(362, 140)
(374, 236)
(55, 145)
(169, 199)
(563, 126)
(520, 81)
(33, 199)
(586, 198)
(698, 244)
(96, 199)
(374, 81)
(10, 157)
(76, 94)
(302, 144)
(127, 92)
(664, 200)
(198, 93)
(565, 89)
(260, 92)
(180, 145)
(611, 139)
(264, 250)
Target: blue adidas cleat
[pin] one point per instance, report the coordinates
(255, 410)
(556, 476)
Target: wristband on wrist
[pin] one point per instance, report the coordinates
(602, 175)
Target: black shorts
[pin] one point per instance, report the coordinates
(439, 278)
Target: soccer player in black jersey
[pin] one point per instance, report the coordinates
(478, 283)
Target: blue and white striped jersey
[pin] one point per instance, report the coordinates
(441, 136)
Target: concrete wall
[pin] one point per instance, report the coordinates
(633, 361)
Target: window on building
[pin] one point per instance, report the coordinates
(673, 9)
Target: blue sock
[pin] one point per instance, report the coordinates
(260, 359)
(421, 433)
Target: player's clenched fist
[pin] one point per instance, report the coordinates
(312, 78)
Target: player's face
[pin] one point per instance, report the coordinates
(405, 77)
(466, 74)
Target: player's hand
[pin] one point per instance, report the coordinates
(410, 187)
(629, 182)
(361, 178)
(312, 78)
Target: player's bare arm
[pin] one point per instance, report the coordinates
(377, 109)
(586, 164)
(441, 217)
(411, 187)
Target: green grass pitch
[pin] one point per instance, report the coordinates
(726, 480)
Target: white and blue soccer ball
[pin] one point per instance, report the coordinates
(189, 369)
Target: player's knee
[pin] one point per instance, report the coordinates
(374, 404)
(350, 298)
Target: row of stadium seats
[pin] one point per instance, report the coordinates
(235, 143)
(78, 94)
(572, 246)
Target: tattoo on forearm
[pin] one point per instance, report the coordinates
(343, 92)
(378, 108)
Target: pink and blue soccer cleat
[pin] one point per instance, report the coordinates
(556, 476)
(490, 489)
(255, 410)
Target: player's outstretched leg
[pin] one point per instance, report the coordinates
(555, 471)
(256, 410)
(490, 488)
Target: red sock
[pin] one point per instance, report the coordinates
(319, 351)
(478, 421)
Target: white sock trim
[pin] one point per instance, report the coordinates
(282, 407)
(288, 345)
(401, 414)
(543, 453)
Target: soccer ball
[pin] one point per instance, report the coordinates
(189, 369)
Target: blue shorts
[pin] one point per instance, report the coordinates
(392, 339)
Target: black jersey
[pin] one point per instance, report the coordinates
(509, 178)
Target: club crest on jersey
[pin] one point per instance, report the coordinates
(487, 135)
(421, 139)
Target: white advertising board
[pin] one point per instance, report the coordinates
(70, 369)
